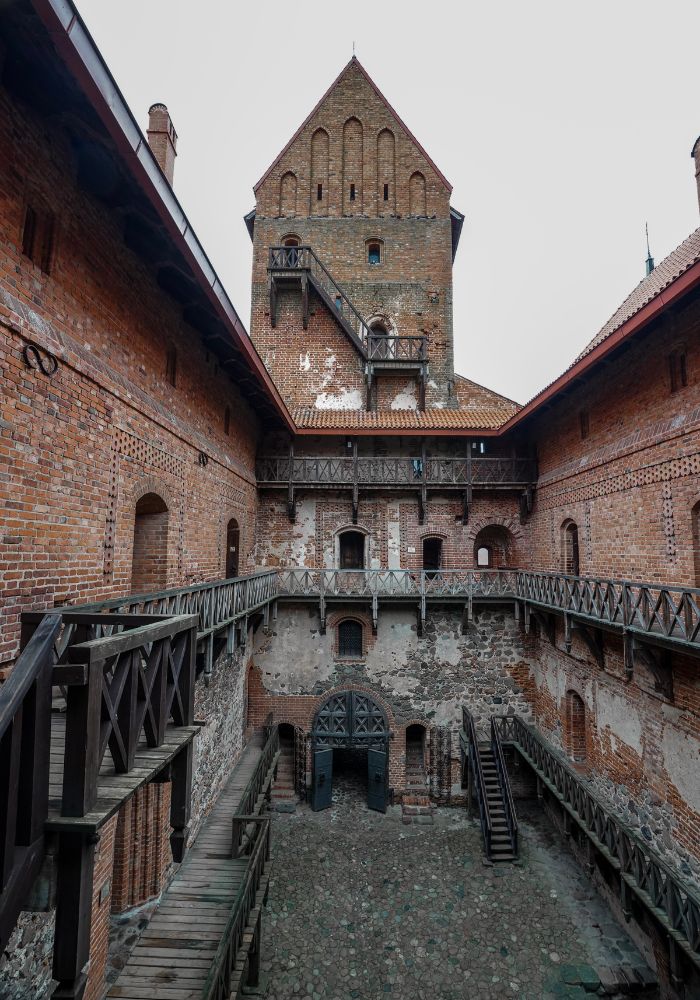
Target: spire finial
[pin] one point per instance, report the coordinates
(353, 48)
(650, 259)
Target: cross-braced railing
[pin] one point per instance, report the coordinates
(394, 471)
(661, 890)
(219, 984)
(399, 348)
(469, 745)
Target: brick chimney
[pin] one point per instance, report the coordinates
(695, 153)
(162, 138)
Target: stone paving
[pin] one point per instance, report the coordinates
(362, 906)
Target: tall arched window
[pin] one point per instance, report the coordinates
(569, 548)
(575, 727)
(484, 557)
(374, 252)
(432, 555)
(350, 639)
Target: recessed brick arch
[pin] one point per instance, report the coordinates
(152, 538)
(151, 484)
(511, 524)
(370, 692)
(498, 538)
(575, 725)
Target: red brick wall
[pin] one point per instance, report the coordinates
(142, 846)
(101, 896)
(80, 449)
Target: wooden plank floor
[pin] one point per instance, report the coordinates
(171, 959)
(112, 788)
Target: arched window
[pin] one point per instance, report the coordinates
(350, 639)
(484, 557)
(382, 345)
(351, 550)
(171, 365)
(374, 252)
(288, 194)
(575, 727)
(233, 541)
(149, 563)
(416, 194)
(569, 548)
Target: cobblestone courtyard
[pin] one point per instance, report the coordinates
(362, 906)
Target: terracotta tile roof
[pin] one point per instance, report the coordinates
(484, 418)
(683, 257)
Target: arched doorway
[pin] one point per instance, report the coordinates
(349, 720)
(575, 727)
(233, 541)
(149, 561)
(351, 550)
(416, 780)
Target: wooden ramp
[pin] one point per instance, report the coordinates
(173, 956)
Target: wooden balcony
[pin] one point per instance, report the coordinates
(419, 474)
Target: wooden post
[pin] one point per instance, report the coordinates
(180, 801)
(71, 949)
(81, 764)
(254, 954)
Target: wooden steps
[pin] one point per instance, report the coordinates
(173, 956)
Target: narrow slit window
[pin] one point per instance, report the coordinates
(29, 233)
(227, 420)
(352, 192)
(678, 370)
(585, 422)
(386, 192)
(319, 192)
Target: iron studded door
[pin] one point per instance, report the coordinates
(376, 780)
(322, 788)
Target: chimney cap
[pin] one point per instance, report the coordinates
(158, 106)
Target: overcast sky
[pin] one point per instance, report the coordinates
(563, 128)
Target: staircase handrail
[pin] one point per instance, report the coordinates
(479, 779)
(504, 782)
(362, 333)
(256, 781)
(25, 725)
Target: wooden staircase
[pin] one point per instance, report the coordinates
(501, 841)
(416, 806)
(283, 796)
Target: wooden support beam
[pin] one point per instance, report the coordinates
(355, 484)
(593, 637)
(375, 613)
(305, 299)
(71, 946)
(546, 624)
(181, 800)
(273, 303)
(467, 616)
(567, 632)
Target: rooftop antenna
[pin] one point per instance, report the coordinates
(650, 259)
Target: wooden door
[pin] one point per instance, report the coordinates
(322, 782)
(376, 780)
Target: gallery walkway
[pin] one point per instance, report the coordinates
(200, 937)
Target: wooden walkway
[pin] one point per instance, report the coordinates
(172, 958)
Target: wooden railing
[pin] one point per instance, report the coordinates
(121, 688)
(653, 609)
(216, 604)
(504, 782)
(25, 709)
(258, 785)
(372, 471)
(474, 763)
(219, 981)
(398, 348)
(450, 583)
(657, 887)
(303, 258)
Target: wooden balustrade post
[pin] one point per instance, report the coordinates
(82, 748)
(180, 800)
(71, 948)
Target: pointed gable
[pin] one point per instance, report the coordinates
(354, 105)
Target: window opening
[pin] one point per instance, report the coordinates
(350, 639)
(484, 557)
(352, 192)
(352, 550)
(432, 555)
(585, 423)
(374, 253)
(319, 192)
(386, 192)
(678, 368)
(171, 366)
(571, 550)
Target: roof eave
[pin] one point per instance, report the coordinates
(79, 52)
(650, 311)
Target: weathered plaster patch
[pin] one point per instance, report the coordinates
(681, 759)
(305, 362)
(406, 399)
(344, 400)
(621, 718)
